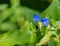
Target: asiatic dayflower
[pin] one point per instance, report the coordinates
(45, 21)
(37, 18)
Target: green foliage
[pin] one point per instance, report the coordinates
(18, 28)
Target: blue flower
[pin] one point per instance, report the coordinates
(45, 21)
(36, 18)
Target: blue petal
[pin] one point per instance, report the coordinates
(36, 18)
(45, 21)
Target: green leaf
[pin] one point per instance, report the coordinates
(26, 34)
(8, 39)
(7, 26)
(5, 14)
(45, 38)
(29, 13)
(52, 42)
(58, 11)
(3, 6)
(51, 11)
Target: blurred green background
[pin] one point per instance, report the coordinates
(17, 27)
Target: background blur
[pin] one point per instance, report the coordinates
(17, 27)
